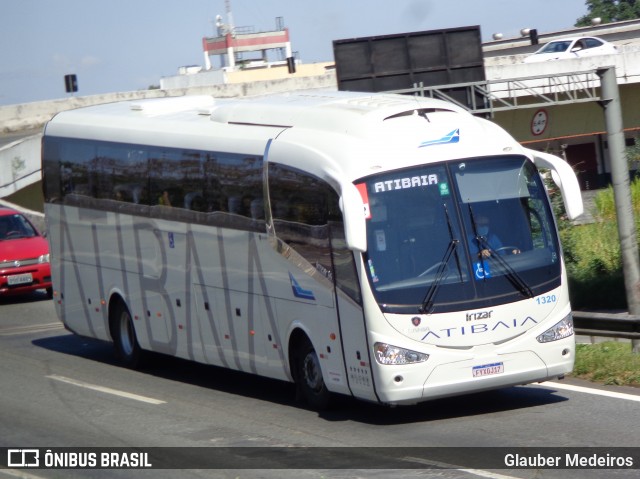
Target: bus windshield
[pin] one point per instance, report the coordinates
(459, 235)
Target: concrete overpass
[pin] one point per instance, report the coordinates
(574, 130)
(21, 126)
(554, 107)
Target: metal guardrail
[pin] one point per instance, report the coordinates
(608, 325)
(505, 94)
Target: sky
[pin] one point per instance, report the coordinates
(128, 45)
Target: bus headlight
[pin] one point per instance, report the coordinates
(388, 354)
(560, 330)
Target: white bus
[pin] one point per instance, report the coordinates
(337, 240)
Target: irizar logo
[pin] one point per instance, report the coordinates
(479, 328)
(299, 291)
(451, 137)
(479, 315)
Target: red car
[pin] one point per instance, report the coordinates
(24, 256)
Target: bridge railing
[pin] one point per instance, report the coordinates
(490, 96)
(608, 325)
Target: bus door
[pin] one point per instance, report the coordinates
(357, 360)
(308, 228)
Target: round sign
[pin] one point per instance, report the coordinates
(539, 122)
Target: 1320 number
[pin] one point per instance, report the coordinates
(550, 298)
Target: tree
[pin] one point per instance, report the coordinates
(610, 11)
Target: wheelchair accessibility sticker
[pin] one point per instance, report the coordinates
(482, 270)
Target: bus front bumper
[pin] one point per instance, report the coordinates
(408, 386)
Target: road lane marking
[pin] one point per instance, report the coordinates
(444, 465)
(106, 390)
(35, 328)
(597, 392)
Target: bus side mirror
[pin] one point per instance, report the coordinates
(355, 227)
(564, 177)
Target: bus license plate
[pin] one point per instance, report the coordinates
(488, 369)
(19, 279)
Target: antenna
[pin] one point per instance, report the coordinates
(230, 26)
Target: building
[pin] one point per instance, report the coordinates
(242, 55)
(576, 130)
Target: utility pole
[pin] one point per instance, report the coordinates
(621, 190)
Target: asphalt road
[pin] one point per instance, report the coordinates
(60, 390)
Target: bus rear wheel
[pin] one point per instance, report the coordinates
(125, 343)
(309, 377)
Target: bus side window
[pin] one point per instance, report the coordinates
(295, 197)
(257, 209)
(306, 216)
(52, 170)
(194, 201)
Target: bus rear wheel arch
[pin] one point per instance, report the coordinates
(125, 343)
(307, 373)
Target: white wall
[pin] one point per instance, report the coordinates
(27, 116)
(19, 165)
(20, 160)
(627, 64)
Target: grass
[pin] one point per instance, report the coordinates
(593, 257)
(611, 363)
(594, 266)
(596, 282)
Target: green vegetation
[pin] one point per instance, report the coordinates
(609, 363)
(610, 11)
(594, 265)
(593, 257)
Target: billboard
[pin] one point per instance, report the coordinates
(400, 61)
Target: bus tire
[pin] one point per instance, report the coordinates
(309, 378)
(125, 344)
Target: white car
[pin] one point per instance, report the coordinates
(575, 47)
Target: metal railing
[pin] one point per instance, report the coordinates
(606, 325)
(490, 96)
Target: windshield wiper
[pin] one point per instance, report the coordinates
(446, 214)
(514, 277)
(511, 274)
(427, 303)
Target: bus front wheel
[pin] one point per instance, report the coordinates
(127, 349)
(309, 377)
